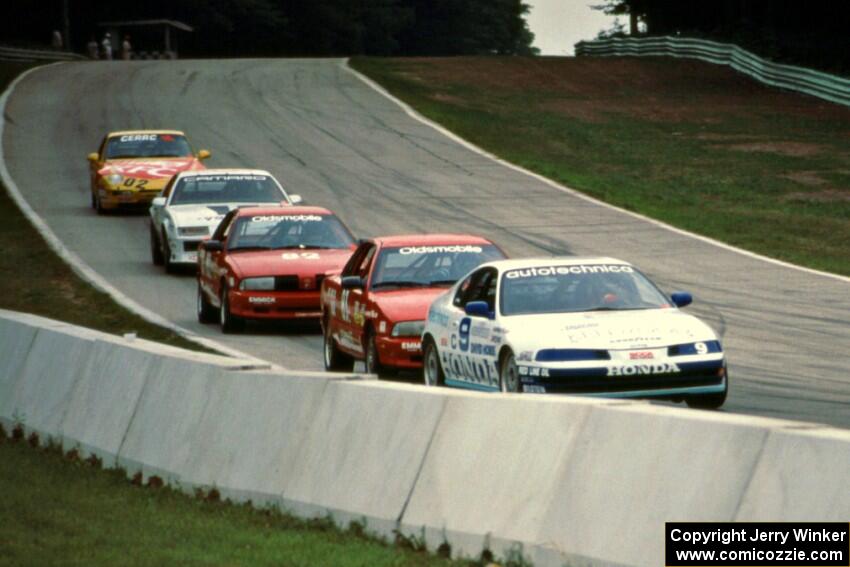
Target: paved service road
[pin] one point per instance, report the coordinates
(330, 137)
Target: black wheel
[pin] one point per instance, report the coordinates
(97, 206)
(229, 322)
(432, 368)
(335, 359)
(206, 312)
(709, 401)
(373, 361)
(508, 373)
(93, 201)
(156, 250)
(166, 254)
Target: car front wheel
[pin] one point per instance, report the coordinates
(156, 251)
(509, 373)
(230, 323)
(335, 359)
(432, 369)
(206, 311)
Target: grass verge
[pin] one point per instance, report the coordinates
(692, 144)
(58, 509)
(35, 280)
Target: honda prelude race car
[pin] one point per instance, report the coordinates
(194, 202)
(132, 167)
(594, 326)
(375, 310)
(269, 263)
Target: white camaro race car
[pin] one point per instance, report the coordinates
(194, 202)
(592, 326)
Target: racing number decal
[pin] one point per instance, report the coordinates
(463, 334)
(139, 183)
(344, 311)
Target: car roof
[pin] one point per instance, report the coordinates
(225, 171)
(130, 132)
(514, 264)
(429, 240)
(283, 210)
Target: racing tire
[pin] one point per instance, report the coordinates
(708, 401)
(97, 206)
(372, 360)
(230, 323)
(93, 200)
(509, 373)
(432, 368)
(166, 255)
(206, 312)
(156, 249)
(335, 360)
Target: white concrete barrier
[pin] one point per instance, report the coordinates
(363, 452)
(578, 481)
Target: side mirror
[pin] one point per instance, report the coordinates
(213, 245)
(204, 154)
(295, 199)
(479, 309)
(158, 201)
(681, 298)
(93, 157)
(352, 282)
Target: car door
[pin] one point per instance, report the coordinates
(210, 262)
(472, 347)
(352, 301)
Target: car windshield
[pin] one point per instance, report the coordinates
(423, 266)
(577, 287)
(210, 189)
(289, 231)
(147, 146)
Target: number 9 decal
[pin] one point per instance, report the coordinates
(701, 348)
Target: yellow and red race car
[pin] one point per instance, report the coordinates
(132, 167)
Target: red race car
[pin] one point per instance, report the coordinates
(375, 309)
(269, 263)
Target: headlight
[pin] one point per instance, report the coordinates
(192, 231)
(114, 178)
(257, 284)
(408, 329)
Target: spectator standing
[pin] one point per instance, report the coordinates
(91, 46)
(56, 42)
(106, 44)
(126, 48)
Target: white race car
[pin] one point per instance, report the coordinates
(591, 326)
(194, 202)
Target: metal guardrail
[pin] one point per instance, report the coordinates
(815, 83)
(17, 54)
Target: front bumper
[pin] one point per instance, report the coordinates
(400, 352)
(184, 250)
(113, 199)
(690, 378)
(275, 304)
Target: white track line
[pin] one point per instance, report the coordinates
(416, 116)
(77, 264)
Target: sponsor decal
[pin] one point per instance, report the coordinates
(533, 371)
(371, 314)
(480, 331)
(218, 178)
(411, 345)
(382, 327)
(444, 341)
(525, 355)
(464, 367)
(447, 249)
(496, 339)
(300, 255)
(293, 218)
(533, 389)
(641, 355)
(482, 349)
(635, 369)
(567, 270)
(138, 138)
(146, 169)
(261, 300)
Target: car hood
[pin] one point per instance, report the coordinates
(149, 168)
(606, 330)
(303, 263)
(204, 215)
(409, 304)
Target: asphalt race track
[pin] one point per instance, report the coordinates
(328, 136)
